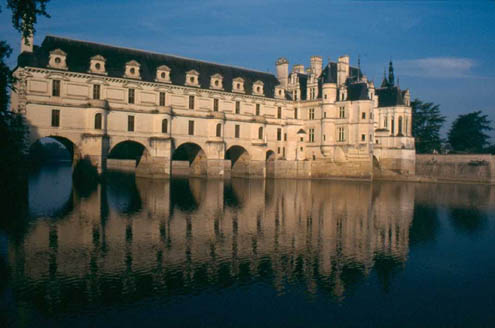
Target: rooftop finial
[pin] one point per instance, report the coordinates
(391, 78)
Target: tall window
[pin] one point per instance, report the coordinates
(237, 107)
(260, 132)
(279, 112)
(219, 130)
(98, 121)
(385, 122)
(279, 134)
(130, 123)
(341, 112)
(56, 88)
(392, 125)
(400, 125)
(258, 109)
(407, 126)
(96, 91)
(164, 125)
(295, 113)
(237, 131)
(131, 95)
(311, 135)
(191, 102)
(311, 113)
(162, 98)
(191, 128)
(285, 136)
(363, 137)
(341, 136)
(55, 117)
(363, 115)
(215, 105)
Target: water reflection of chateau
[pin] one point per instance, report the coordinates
(133, 240)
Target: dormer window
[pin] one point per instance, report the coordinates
(279, 92)
(238, 85)
(97, 65)
(216, 82)
(192, 78)
(163, 74)
(132, 69)
(258, 88)
(57, 59)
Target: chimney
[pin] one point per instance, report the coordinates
(316, 65)
(342, 69)
(298, 68)
(27, 47)
(282, 72)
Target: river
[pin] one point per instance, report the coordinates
(249, 253)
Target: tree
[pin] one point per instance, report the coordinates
(467, 133)
(426, 124)
(25, 13)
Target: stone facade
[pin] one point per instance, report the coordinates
(105, 102)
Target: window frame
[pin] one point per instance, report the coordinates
(55, 118)
(131, 123)
(98, 121)
(96, 91)
(56, 86)
(131, 96)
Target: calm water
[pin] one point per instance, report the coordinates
(249, 253)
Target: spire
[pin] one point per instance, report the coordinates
(391, 78)
(385, 81)
(359, 69)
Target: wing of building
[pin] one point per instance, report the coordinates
(201, 118)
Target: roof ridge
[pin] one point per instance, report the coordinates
(158, 53)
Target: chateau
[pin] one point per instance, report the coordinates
(159, 115)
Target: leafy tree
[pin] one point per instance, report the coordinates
(426, 124)
(25, 13)
(467, 133)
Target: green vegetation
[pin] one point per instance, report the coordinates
(467, 133)
(426, 124)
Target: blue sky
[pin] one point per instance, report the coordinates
(443, 51)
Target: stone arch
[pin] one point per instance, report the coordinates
(239, 158)
(126, 155)
(193, 155)
(270, 155)
(270, 163)
(69, 145)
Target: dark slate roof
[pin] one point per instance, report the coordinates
(80, 52)
(357, 91)
(391, 96)
(329, 73)
(303, 83)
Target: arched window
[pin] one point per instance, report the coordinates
(400, 125)
(164, 125)
(260, 133)
(219, 130)
(98, 121)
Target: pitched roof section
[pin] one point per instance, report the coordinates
(79, 54)
(357, 91)
(391, 96)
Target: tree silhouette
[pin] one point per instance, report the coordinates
(426, 124)
(467, 133)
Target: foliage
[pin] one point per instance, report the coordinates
(25, 14)
(5, 75)
(426, 124)
(467, 133)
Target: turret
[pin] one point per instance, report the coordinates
(342, 69)
(316, 65)
(282, 72)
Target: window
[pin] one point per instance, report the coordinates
(363, 115)
(295, 113)
(258, 109)
(392, 125)
(283, 152)
(162, 98)
(311, 113)
(324, 114)
(279, 134)
(324, 137)
(341, 112)
(278, 150)
(363, 137)
(98, 121)
(130, 123)
(191, 128)
(191, 102)
(55, 117)
(279, 112)
(312, 93)
(407, 126)
(260, 133)
(237, 131)
(56, 88)
(285, 136)
(341, 136)
(164, 125)
(219, 130)
(385, 122)
(96, 91)
(237, 107)
(131, 96)
(215, 104)
(311, 135)
(400, 125)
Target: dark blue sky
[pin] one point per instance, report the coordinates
(443, 50)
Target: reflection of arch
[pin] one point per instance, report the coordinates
(128, 149)
(41, 145)
(270, 155)
(239, 158)
(194, 155)
(270, 165)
